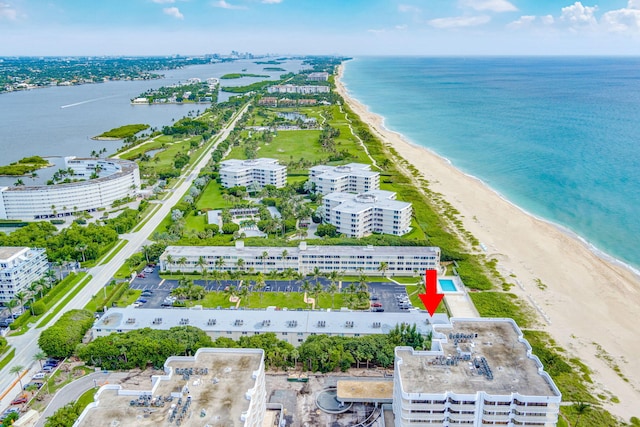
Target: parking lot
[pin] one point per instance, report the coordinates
(389, 295)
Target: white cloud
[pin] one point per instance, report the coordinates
(8, 12)
(579, 15)
(489, 5)
(376, 31)
(547, 20)
(224, 5)
(623, 20)
(459, 21)
(407, 8)
(271, 1)
(401, 27)
(523, 22)
(163, 1)
(173, 11)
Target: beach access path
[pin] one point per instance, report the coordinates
(590, 305)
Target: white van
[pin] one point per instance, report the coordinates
(39, 376)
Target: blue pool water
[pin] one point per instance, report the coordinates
(447, 285)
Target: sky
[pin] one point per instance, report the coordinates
(342, 27)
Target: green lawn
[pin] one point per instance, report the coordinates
(413, 291)
(211, 197)
(290, 300)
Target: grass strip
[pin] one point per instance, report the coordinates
(8, 358)
(64, 302)
(108, 257)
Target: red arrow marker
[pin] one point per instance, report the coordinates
(431, 298)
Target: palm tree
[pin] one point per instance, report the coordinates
(240, 264)
(39, 357)
(20, 296)
(285, 253)
(260, 285)
(182, 262)
(581, 408)
(145, 250)
(264, 257)
(306, 287)
(317, 290)
(17, 369)
(18, 183)
(384, 266)
(50, 275)
(11, 304)
(170, 262)
(81, 248)
(331, 290)
(202, 264)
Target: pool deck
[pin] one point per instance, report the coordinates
(458, 301)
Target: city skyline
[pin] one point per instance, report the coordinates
(355, 27)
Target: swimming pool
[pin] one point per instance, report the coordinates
(447, 285)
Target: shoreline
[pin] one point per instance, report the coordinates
(590, 301)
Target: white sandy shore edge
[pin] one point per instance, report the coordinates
(588, 302)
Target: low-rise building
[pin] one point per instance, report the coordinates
(479, 372)
(103, 181)
(303, 89)
(19, 268)
(399, 260)
(374, 211)
(292, 326)
(253, 172)
(215, 387)
(350, 178)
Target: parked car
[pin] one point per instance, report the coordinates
(141, 275)
(267, 288)
(377, 309)
(142, 300)
(32, 383)
(376, 304)
(6, 413)
(146, 293)
(374, 298)
(39, 376)
(19, 400)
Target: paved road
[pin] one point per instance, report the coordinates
(72, 391)
(26, 345)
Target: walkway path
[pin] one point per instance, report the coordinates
(364, 147)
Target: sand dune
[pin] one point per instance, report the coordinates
(589, 306)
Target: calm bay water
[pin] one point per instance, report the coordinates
(558, 137)
(35, 123)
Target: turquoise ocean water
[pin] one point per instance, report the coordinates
(558, 137)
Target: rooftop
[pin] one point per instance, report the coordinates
(257, 251)
(7, 252)
(269, 320)
(509, 366)
(354, 203)
(365, 390)
(240, 165)
(223, 378)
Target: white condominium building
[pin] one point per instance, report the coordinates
(292, 326)
(19, 268)
(305, 89)
(260, 172)
(215, 387)
(350, 178)
(400, 260)
(479, 372)
(318, 77)
(103, 182)
(366, 213)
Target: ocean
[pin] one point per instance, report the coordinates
(558, 137)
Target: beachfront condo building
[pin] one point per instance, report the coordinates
(318, 77)
(216, 387)
(303, 89)
(19, 268)
(374, 211)
(97, 183)
(253, 172)
(350, 178)
(292, 326)
(355, 260)
(479, 372)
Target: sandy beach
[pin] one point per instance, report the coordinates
(588, 305)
